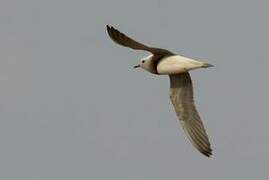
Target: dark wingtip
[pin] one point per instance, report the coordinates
(207, 153)
(110, 30)
(107, 28)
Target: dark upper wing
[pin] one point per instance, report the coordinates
(181, 95)
(126, 41)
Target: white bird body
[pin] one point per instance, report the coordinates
(178, 64)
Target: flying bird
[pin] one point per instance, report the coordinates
(164, 62)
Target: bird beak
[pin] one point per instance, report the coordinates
(136, 66)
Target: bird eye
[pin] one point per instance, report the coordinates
(143, 61)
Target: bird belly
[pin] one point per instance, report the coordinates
(177, 64)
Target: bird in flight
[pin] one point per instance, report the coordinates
(164, 62)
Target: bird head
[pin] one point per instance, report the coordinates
(146, 63)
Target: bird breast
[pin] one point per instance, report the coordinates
(177, 64)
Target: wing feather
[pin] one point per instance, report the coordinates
(122, 39)
(181, 95)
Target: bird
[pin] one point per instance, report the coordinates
(165, 62)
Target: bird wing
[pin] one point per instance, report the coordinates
(121, 39)
(181, 95)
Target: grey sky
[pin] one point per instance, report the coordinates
(72, 106)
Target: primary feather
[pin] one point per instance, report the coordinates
(181, 95)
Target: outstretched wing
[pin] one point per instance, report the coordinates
(120, 38)
(181, 95)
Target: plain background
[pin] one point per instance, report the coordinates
(72, 106)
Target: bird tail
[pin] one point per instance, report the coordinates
(207, 65)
